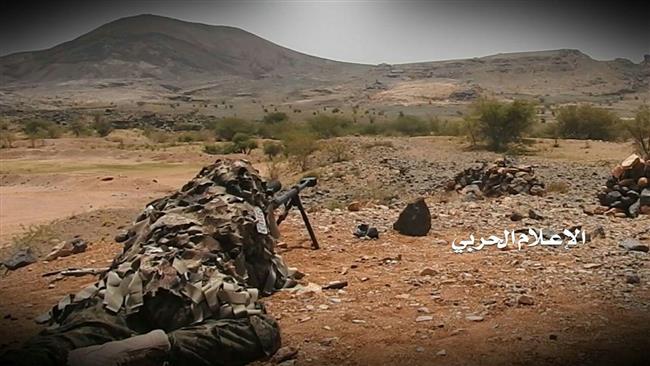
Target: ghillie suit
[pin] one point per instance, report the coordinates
(193, 265)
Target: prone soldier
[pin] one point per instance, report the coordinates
(185, 289)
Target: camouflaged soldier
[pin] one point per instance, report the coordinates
(185, 288)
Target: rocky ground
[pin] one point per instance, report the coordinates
(412, 300)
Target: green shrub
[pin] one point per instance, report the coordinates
(7, 136)
(272, 149)
(299, 144)
(407, 125)
(40, 129)
(500, 124)
(102, 126)
(220, 148)
(587, 122)
(78, 128)
(227, 128)
(243, 143)
(275, 117)
(329, 126)
(639, 129)
(156, 135)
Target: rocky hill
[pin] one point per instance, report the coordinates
(150, 58)
(148, 46)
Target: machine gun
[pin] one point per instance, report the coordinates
(289, 199)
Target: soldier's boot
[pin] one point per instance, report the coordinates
(150, 349)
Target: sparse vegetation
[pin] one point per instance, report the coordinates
(227, 128)
(7, 136)
(639, 129)
(298, 146)
(275, 117)
(38, 129)
(500, 124)
(329, 126)
(102, 126)
(557, 187)
(243, 143)
(587, 122)
(78, 128)
(272, 149)
(337, 150)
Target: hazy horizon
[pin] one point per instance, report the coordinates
(368, 32)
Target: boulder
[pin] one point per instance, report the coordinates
(414, 220)
(634, 245)
(66, 248)
(20, 259)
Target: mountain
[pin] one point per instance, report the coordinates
(159, 60)
(149, 46)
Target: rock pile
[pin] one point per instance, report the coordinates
(496, 179)
(627, 190)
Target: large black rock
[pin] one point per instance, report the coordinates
(415, 220)
(21, 258)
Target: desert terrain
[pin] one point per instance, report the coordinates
(409, 300)
(136, 104)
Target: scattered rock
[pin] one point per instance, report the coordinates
(632, 278)
(107, 179)
(442, 352)
(516, 216)
(365, 230)
(310, 289)
(474, 318)
(20, 259)
(526, 300)
(122, 236)
(64, 249)
(335, 285)
(354, 206)
(635, 245)
(423, 318)
(428, 272)
(284, 354)
(534, 215)
(415, 219)
(592, 265)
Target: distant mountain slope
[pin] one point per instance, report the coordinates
(554, 71)
(162, 48)
(148, 57)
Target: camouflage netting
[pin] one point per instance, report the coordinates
(194, 264)
(496, 179)
(200, 244)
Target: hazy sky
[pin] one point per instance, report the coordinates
(364, 31)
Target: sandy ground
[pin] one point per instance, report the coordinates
(373, 320)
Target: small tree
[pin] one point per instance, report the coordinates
(244, 143)
(471, 128)
(227, 128)
(587, 122)
(298, 146)
(78, 128)
(39, 129)
(102, 126)
(639, 129)
(329, 126)
(503, 123)
(6, 135)
(272, 149)
(275, 117)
